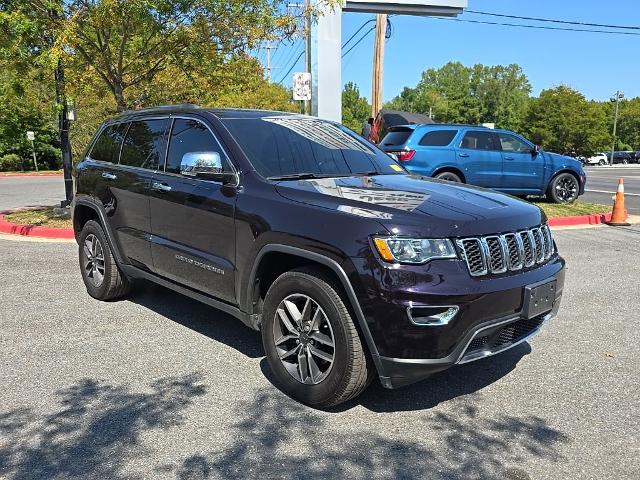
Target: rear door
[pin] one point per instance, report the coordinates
(521, 170)
(192, 220)
(128, 182)
(481, 159)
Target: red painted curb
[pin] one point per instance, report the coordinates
(594, 219)
(48, 174)
(34, 231)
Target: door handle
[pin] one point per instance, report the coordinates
(109, 176)
(163, 187)
(463, 155)
(508, 158)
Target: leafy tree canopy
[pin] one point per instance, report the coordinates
(356, 110)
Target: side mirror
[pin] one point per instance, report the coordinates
(535, 150)
(206, 166)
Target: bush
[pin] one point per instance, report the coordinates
(49, 157)
(10, 162)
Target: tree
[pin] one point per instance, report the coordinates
(629, 123)
(355, 108)
(458, 94)
(562, 120)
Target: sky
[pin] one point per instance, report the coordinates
(595, 64)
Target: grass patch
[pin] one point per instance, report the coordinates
(42, 217)
(572, 209)
(30, 172)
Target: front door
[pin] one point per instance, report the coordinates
(522, 169)
(193, 240)
(480, 157)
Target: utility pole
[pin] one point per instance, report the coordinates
(378, 63)
(619, 96)
(269, 62)
(307, 46)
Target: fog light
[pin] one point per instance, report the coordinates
(432, 316)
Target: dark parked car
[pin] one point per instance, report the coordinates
(349, 266)
(492, 158)
(385, 119)
(622, 157)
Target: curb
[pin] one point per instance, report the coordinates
(47, 174)
(594, 219)
(35, 231)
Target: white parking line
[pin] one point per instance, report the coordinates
(613, 193)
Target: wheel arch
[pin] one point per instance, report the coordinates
(294, 256)
(85, 210)
(450, 169)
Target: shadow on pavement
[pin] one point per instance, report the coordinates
(199, 317)
(279, 438)
(95, 431)
(444, 386)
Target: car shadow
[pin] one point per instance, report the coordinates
(197, 316)
(444, 386)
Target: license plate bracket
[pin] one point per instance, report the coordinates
(539, 299)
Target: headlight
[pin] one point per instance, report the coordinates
(413, 250)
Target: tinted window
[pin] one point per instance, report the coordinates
(144, 144)
(291, 144)
(438, 138)
(107, 146)
(190, 136)
(396, 136)
(480, 141)
(510, 143)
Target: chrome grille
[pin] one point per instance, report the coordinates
(507, 252)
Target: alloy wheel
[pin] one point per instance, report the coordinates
(93, 259)
(567, 189)
(304, 339)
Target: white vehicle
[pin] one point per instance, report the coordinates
(597, 159)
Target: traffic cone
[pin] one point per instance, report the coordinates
(618, 215)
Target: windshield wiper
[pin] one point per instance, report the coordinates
(297, 176)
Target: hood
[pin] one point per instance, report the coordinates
(564, 160)
(410, 205)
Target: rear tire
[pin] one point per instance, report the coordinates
(602, 163)
(449, 177)
(100, 273)
(297, 338)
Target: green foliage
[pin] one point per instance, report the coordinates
(629, 124)
(473, 95)
(10, 162)
(562, 120)
(356, 110)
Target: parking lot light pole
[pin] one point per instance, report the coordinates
(619, 96)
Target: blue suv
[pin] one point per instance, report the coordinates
(491, 158)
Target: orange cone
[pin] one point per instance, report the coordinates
(618, 215)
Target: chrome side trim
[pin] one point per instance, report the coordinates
(435, 324)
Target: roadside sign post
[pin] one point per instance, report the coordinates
(619, 96)
(31, 136)
(302, 86)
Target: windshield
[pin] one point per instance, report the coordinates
(292, 145)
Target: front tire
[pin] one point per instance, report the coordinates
(310, 340)
(602, 163)
(563, 188)
(100, 273)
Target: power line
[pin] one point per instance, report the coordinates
(292, 66)
(358, 42)
(540, 27)
(566, 22)
(292, 53)
(357, 31)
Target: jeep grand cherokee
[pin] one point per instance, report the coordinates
(348, 265)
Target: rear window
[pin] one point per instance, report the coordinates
(144, 144)
(107, 146)
(396, 136)
(291, 144)
(438, 138)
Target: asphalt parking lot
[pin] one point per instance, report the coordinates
(602, 183)
(30, 191)
(160, 386)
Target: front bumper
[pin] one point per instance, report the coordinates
(490, 320)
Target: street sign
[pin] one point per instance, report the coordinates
(302, 86)
(31, 135)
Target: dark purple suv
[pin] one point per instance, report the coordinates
(349, 266)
